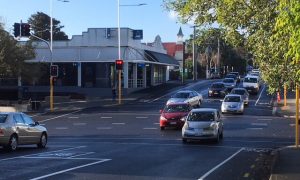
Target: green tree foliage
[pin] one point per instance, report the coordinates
(268, 29)
(13, 55)
(40, 23)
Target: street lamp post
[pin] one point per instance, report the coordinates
(119, 47)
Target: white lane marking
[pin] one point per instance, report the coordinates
(61, 128)
(79, 124)
(59, 116)
(70, 169)
(264, 119)
(260, 95)
(149, 128)
(104, 128)
(73, 117)
(81, 154)
(106, 117)
(118, 123)
(141, 117)
(259, 124)
(219, 165)
(78, 147)
(255, 128)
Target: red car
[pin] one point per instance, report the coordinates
(172, 114)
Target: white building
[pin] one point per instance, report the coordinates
(87, 62)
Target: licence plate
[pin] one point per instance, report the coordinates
(173, 123)
(199, 132)
(216, 93)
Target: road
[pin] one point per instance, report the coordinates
(125, 142)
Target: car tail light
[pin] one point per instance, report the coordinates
(1, 132)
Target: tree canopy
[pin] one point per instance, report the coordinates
(40, 24)
(268, 29)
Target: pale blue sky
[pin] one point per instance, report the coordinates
(79, 15)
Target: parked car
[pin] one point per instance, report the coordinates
(243, 92)
(217, 89)
(252, 84)
(204, 123)
(19, 129)
(171, 115)
(233, 103)
(194, 98)
(229, 83)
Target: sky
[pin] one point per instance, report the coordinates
(79, 15)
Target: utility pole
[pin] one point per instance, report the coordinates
(218, 60)
(194, 56)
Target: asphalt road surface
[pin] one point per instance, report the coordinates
(125, 142)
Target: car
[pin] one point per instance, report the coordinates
(243, 92)
(237, 75)
(217, 89)
(252, 84)
(229, 83)
(17, 128)
(192, 97)
(233, 103)
(171, 115)
(204, 123)
(231, 76)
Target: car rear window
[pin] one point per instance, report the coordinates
(181, 95)
(177, 108)
(250, 80)
(3, 118)
(201, 116)
(217, 85)
(232, 99)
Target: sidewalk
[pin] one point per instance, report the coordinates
(287, 163)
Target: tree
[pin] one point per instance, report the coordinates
(13, 55)
(40, 23)
(246, 23)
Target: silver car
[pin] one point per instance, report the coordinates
(233, 103)
(188, 96)
(19, 129)
(204, 123)
(230, 83)
(243, 92)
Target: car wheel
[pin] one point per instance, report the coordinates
(184, 140)
(217, 138)
(199, 103)
(221, 135)
(162, 128)
(43, 141)
(12, 144)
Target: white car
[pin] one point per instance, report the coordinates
(252, 84)
(204, 123)
(188, 96)
(233, 103)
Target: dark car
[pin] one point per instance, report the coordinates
(172, 114)
(232, 76)
(237, 76)
(217, 89)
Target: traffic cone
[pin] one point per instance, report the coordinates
(278, 97)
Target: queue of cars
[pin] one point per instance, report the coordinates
(206, 123)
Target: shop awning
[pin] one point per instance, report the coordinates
(160, 58)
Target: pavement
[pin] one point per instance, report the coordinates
(287, 161)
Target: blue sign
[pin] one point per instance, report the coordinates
(137, 34)
(141, 65)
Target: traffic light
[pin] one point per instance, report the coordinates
(54, 70)
(25, 29)
(17, 29)
(119, 64)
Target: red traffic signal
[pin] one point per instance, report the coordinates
(54, 70)
(119, 64)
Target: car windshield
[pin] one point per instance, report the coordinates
(181, 95)
(217, 85)
(240, 92)
(3, 118)
(228, 80)
(232, 99)
(201, 116)
(230, 76)
(177, 108)
(250, 80)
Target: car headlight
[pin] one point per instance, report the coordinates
(183, 118)
(210, 91)
(162, 118)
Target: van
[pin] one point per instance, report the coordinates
(252, 84)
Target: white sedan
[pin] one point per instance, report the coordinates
(233, 103)
(188, 96)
